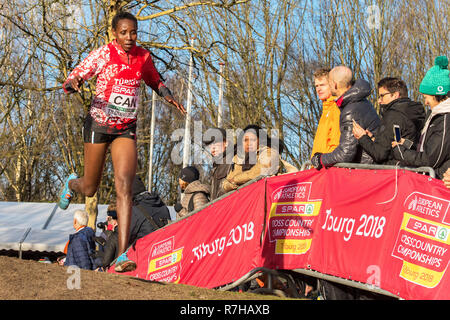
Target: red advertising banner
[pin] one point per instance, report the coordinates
(214, 246)
(384, 228)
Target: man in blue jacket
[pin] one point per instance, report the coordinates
(81, 243)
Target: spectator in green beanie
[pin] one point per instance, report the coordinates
(434, 145)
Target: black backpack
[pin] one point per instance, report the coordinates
(158, 218)
(162, 222)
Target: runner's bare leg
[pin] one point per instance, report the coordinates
(124, 158)
(94, 161)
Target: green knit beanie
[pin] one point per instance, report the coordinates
(437, 80)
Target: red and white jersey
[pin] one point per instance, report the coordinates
(119, 75)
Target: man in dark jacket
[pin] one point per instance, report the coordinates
(110, 246)
(149, 211)
(215, 140)
(396, 109)
(354, 106)
(81, 244)
(148, 214)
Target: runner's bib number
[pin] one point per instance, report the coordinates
(123, 102)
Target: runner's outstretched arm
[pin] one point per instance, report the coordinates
(153, 79)
(179, 106)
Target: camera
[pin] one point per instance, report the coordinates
(102, 225)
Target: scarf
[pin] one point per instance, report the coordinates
(247, 165)
(67, 243)
(443, 107)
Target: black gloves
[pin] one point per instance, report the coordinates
(69, 88)
(178, 207)
(316, 161)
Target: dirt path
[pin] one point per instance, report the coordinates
(29, 280)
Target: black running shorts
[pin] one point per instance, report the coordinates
(95, 133)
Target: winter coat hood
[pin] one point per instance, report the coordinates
(441, 108)
(359, 91)
(196, 186)
(354, 106)
(412, 110)
(149, 198)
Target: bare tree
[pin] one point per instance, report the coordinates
(270, 50)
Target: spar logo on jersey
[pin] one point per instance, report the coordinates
(123, 101)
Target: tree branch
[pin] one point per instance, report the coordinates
(186, 6)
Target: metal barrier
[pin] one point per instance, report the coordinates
(221, 197)
(291, 288)
(271, 274)
(346, 282)
(22, 241)
(423, 170)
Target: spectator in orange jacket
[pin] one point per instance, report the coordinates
(328, 132)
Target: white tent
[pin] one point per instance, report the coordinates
(10, 238)
(41, 226)
(38, 226)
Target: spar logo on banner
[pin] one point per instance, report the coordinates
(292, 215)
(164, 261)
(423, 240)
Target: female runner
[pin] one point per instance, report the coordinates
(111, 122)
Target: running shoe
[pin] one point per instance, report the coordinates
(123, 264)
(66, 194)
